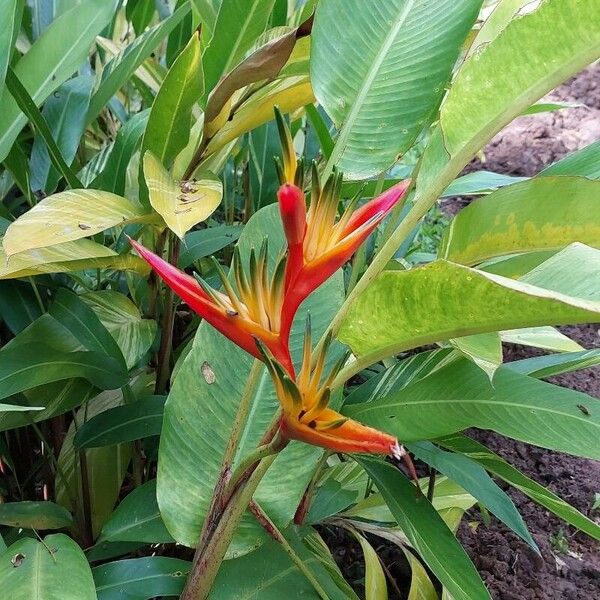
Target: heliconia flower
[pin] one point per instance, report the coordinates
(252, 312)
(306, 415)
(319, 242)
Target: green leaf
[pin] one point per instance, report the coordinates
(479, 182)
(199, 244)
(69, 216)
(133, 334)
(35, 515)
(389, 82)
(239, 23)
(375, 584)
(584, 162)
(135, 421)
(547, 338)
(460, 396)
(52, 59)
(331, 498)
(18, 305)
(538, 493)
(30, 365)
(199, 416)
(141, 578)
(83, 323)
(545, 213)
(426, 531)
(65, 114)
(13, 13)
(137, 519)
(399, 311)
(484, 349)
(555, 364)
(106, 467)
(120, 69)
(181, 205)
(32, 112)
(53, 570)
(473, 478)
(483, 95)
(112, 177)
(170, 120)
(270, 574)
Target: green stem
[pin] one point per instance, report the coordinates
(166, 340)
(207, 560)
(263, 518)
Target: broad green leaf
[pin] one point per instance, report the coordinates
(137, 519)
(400, 311)
(538, 493)
(330, 498)
(170, 120)
(484, 349)
(120, 69)
(182, 205)
(555, 364)
(140, 13)
(270, 574)
(239, 23)
(482, 96)
(7, 408)
(390, 81)
(106, 550)
(141, 578)
(133, 334)
(574, 271)
(64, 112)
(375, 584)
(53, 570)
(460, 396)
(199, 244)
(540, 107)
(18, 305)
(12, 12)
(289, 94)
(35, 515)
(29, 365)
(516, 265)
(545, 213)
(583, 162)
(199, 416)
(473, 478)
(547, 338)
(263, 145)
(112, 177)
(106, 467)
(135, 421)
(479, 182)
(52, 59)
(83, 323)
(69, 216)
(426, 531)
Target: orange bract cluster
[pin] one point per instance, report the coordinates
(257, 314)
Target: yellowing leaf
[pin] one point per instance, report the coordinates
(375, 585)
(68, 216)
(181, 204)
(289, 94)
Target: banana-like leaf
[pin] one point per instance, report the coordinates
(391, 61)
(407, 309)
(421, 587)
(52, 59)
(426, 531)
(181, 204)
(106, 467)
(239, 23)
(547, 338)
(556, 364)
(35, 515)
(484, 349)
(52, 569)
(460, 396)
(199, 415)
(170, 120)
(288, 94)
(541, 214)
(13, 12)
(375, 584)
(69, 216)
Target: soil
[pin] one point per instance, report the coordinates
(568, 567)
